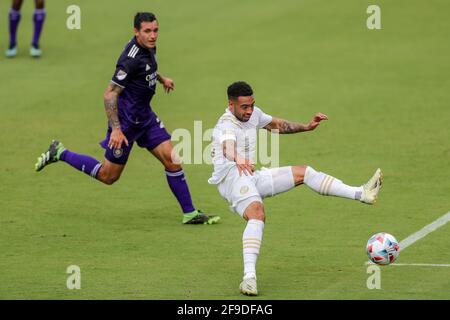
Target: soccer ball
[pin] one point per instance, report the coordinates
(382, 248)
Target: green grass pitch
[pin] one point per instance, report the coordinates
(386, 93)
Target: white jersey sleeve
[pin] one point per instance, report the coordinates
(225, 131)
(263, 118)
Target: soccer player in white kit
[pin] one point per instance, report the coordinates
(233, 154)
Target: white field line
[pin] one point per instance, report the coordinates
(412, 264)
(405, 243)
(420, 265)
(419, 235)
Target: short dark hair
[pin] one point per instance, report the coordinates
(143, 17)
(239, 89)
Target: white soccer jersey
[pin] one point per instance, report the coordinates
(244, 133)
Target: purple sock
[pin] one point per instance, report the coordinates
(178, 185)
(81, 162)
(14, 19)
(38, 19)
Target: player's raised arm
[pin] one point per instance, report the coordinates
(110, 99)
(285, 126)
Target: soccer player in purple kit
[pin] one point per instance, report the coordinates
(131, 119)
(14, 19)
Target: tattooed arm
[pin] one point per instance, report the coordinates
(285, 126)
(110, 99)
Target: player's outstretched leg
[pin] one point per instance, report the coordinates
(57, 152)
(330, 186)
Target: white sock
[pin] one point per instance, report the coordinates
(251, 241)
(329, 186)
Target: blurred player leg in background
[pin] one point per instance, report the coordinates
(14, 19)
(38, 21)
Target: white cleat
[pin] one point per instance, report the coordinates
(248, 287)
(11, 52)
(35, 52)
(372, 187)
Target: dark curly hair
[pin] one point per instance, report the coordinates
(239, 89)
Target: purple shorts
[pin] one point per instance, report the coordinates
(150, 136)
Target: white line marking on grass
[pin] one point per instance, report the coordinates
(411, 264)
(420, 265)
(405, 243)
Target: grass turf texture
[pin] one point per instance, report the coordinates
(385, 92)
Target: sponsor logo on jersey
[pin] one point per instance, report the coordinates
(151, 78)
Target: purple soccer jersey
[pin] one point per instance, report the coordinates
(136, 73)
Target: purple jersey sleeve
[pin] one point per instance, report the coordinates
(124, 69)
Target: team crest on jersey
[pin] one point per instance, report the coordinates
(118, 153)
(244, 189)
(121, 75)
